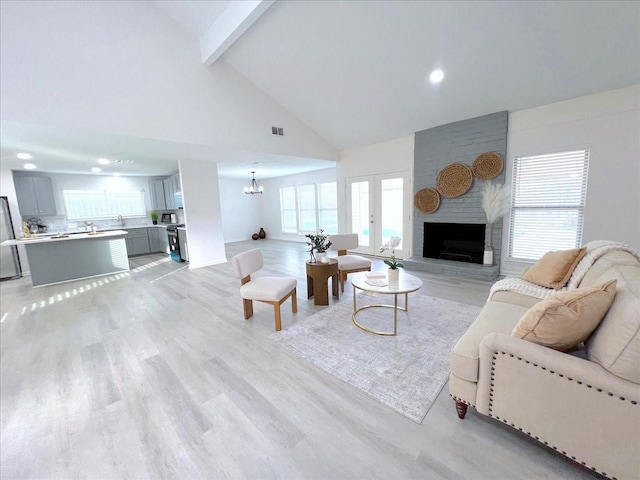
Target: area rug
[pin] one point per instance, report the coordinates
(405, 372)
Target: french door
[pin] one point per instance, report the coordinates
(378, 208)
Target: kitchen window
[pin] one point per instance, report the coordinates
(547, 203)
(307, 208)
(102, 204)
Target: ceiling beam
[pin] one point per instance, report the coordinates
(229, 26)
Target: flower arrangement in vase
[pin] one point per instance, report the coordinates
(318, 243)
(392, 262)
(495, 202)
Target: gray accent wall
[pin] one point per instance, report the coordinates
(459, 142)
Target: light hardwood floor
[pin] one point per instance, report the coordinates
(155, 374)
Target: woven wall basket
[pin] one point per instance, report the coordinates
(487, 165)
(454, 180)
(427, 200)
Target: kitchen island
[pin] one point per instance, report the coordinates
(63, 258)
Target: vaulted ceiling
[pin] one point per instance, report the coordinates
(356, 72)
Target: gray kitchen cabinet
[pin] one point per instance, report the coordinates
(35, 196)
(158, 241)
(169, 193)
(138, 242)
(156, 191)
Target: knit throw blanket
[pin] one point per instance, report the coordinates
(595, 250)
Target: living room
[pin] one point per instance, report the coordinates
(156, 374)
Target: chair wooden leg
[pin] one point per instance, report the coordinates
(247, 305)
(276, 313)
(294, 301)
(343, 278)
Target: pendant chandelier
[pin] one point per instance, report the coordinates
(253, 188)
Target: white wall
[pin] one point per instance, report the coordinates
(124, 67)
(609, 124)
(203, 217)
(241, 214)
(270, 200)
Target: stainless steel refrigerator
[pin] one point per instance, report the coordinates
(9, 260)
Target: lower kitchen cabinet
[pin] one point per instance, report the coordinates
(138, 242)
(146, 240)
(158, 241)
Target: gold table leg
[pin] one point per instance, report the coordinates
(395, 307)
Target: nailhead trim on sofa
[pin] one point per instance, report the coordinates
(493, 364)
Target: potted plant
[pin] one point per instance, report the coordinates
(392, 262)
(319, 244)
(154, 217)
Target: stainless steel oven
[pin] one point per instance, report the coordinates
(174, 242)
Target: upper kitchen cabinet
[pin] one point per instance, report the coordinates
(158, 201)
(35, 196)
(171, 187)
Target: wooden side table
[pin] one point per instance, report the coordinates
(317, 281)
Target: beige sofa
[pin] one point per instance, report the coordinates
(585, 405)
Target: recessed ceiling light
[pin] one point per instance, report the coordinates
(24, 156)
(96, 169)
(104, 161)
(29, 166)
(436, 76)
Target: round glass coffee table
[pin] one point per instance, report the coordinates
(369, 282)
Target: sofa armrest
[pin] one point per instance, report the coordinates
(570, 404)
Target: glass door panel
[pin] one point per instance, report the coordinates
(392, 211)
(360, 200)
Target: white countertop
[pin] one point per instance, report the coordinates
(73, 236)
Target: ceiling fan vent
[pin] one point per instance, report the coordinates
(277, 131)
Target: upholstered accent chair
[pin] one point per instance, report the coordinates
(348, 263)
(272, 290)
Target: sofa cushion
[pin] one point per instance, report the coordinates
(554, 269)
(615, 345)
(564, 321)
(495, 317)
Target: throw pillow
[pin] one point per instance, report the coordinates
(554, 269)
(565, 320)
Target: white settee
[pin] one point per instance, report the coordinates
(585, 405)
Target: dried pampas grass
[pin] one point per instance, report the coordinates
(495, 201)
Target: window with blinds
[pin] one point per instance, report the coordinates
(547, 203)
(101, 204)
(307, 208)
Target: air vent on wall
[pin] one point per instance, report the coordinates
(277, 131)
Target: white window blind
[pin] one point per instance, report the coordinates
(547, 203)
(288, 209)
(328, 207)
(98, 204)
(307, 209)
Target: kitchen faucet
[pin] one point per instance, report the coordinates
(121, 220)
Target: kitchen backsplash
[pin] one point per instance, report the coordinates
(59, 223)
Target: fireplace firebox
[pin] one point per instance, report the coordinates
(460, 242)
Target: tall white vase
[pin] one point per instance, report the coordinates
(487, 259)
(393, 274)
